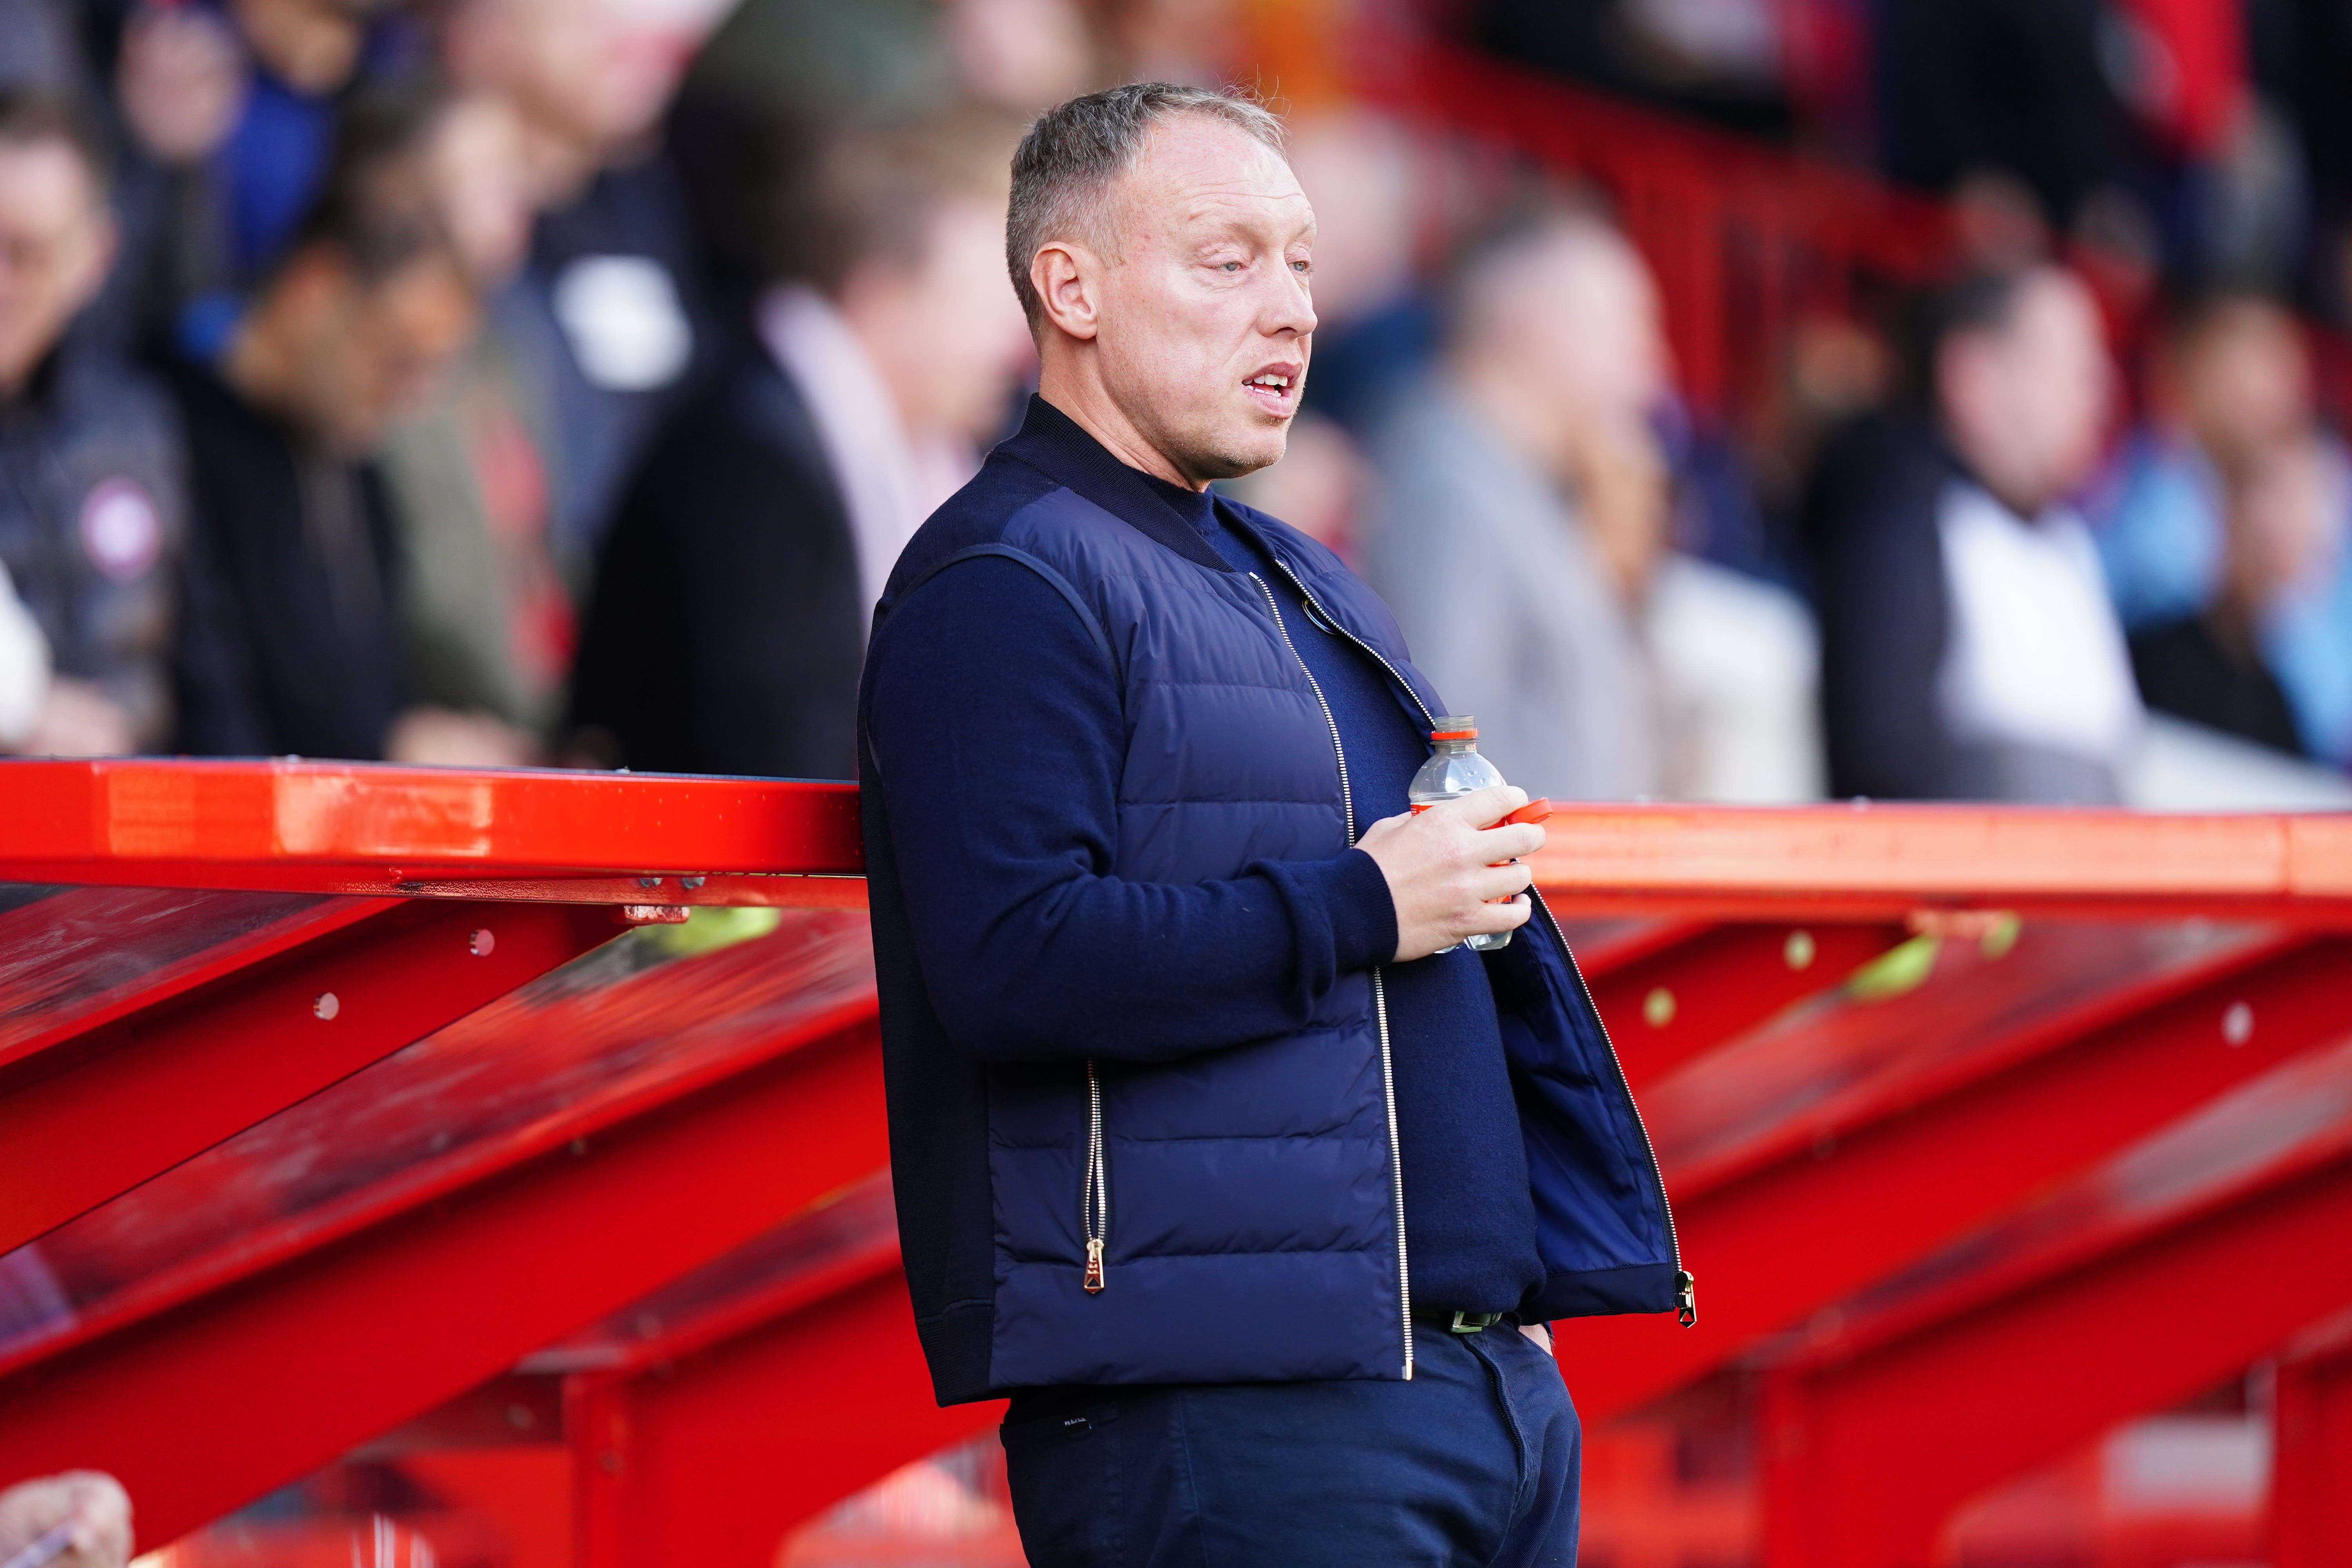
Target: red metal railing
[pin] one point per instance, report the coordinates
(1911, 1071)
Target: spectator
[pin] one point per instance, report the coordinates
(1522, 541)
(487, 614)
(289, 642)
(611, 310)
(90, 480)
(232, 109)
(1969, 650)
(2286, 513)
(732, 598)
(92, 1506)
(2232, 473)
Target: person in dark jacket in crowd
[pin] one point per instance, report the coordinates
(608, 319)
(90, 476)
(289, 641)
(1969, 647)
(728, 615)
(1213, 1146)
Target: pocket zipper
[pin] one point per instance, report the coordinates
(1093, 1198)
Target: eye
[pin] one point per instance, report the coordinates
(1302, 267)
(1229, 266)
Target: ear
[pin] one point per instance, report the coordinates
(1068, 278)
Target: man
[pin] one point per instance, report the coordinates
(1212, 1146)
(1522, 538)
(1969, 647)
(290, 640)
(606, 321)
(2222, 527)
(731, 598)
(90, 478)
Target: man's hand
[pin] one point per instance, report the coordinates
(79, 720)
(1445, 867)
(91, 1503)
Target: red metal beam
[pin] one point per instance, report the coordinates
(1843, 1200)
(94, 1113)
(708, 1461)
(363, 828)
(1876, 861)
(331, 1346)
(76, 958)
(1679, 1002)
(367, 828)
(1866, 1455)
(2311, 1473)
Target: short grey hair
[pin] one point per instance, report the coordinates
(1066, 166)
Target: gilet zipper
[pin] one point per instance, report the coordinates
(1379, 994)
(1686, 1287)
(1093, 1198)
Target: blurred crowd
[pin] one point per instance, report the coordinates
(527, 382)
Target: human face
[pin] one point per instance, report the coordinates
(376, 349)
(2027, 404)
(1205, 319)
(311, 45)
(946, 333)
(56, 242)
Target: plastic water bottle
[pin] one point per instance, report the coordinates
(1455, 768)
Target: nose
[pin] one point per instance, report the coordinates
(1291, 310)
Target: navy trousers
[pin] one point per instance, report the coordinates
(1474, 1464)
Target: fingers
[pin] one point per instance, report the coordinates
(1509, 843)
(1487, 919)
(1484, 807)
(1505, 881)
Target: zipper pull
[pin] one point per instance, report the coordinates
(1685, 1298)
(1094, 1267)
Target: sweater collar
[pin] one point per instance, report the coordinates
(1057, 445)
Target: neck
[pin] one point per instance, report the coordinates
(1070, 381)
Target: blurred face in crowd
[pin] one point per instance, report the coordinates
(476, 168)
(946, 334)
(2281, 500)
(2242, 378)
(1179, 335)
(593, 74)
(345, 356)
(2026, 401)
(57, 240)
(1559, 346)
(310, 45)
(1573, 322)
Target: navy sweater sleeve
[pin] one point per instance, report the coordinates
(984, 685)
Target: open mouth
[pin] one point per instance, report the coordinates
(1276, 390)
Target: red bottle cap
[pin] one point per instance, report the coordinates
(1536, 810)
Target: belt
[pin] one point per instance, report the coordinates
(1455, 1323)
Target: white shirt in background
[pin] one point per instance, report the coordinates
(890, 479)
(23, 666)
(2035, 655)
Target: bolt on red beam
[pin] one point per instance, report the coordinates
(2311, 1464)
(332, 1346)
(1844, 1203)
(93, 1114)
(1867, 1451)
(1669, 1006)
